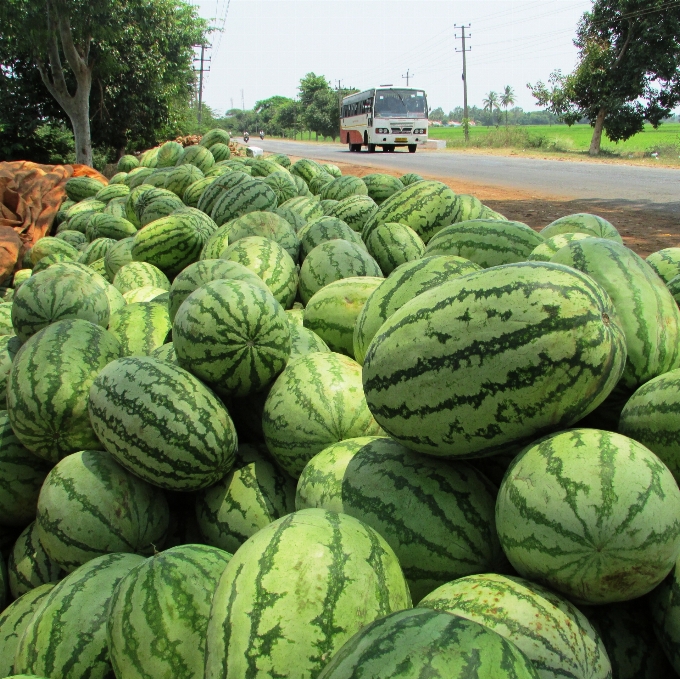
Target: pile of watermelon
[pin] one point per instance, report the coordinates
(263, 419)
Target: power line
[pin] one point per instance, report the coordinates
(202, 69)
(408, 75)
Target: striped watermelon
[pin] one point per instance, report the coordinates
(218, 242)
(470, 208)
(78, 188)
(296, 315)
(80, 220)
(157, 177)
(262, 167)
(249, 196)
(268, 225)
(140, 327)
(327, 205)
(215, 189)
(159, 207)
(304, 341)
(137, 177)
(162, 424)
(48, 387)
(673, 286)
(169, 153)
(102, 225)
(332, 261)
(13, 621)
(147, 293)
(651, 418)
(307, 207)
(158, 616)
(317, 184)
(281, 158)
(249, 498)
(117, 256)
(344, 187)
(194, 191)
(381, 186)
(265, 620)
(149, 158)
(645, 309)
(410, 178)
(292, 217)
(392, 244)
(665, 262)
(544, 251)
(206, 271)
(180, 178)
(427, 207)
(592, 514)
(75, 238)
(417, 503)
(282, 184)
(322, 229)
(306, 169)
(48, 261)
(21, 475)
(218, 170)
(316, 401)
(90, 506)
(425, 643)
(198, 156)
(552, 632)
(664, 605)
(303, 189)
(494, 357)
(333, 170)
(9, 346)
(270, 262)
(220, 152)
(116, 207)
(99, 267)
(112, 191)
(6, 327)
(582, 223)
(127, 163)
(215, 136)
(166, 352)
(28, 565)
(133, 202)
(487, 242)
(137, 275)
(332, 311)
(232, 335)
(79, 602)
(96, 250)
(52, 246)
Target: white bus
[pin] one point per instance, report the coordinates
(384, 116)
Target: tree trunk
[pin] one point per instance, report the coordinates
(79, 114)
(597, 133)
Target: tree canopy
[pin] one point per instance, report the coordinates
(627, 73)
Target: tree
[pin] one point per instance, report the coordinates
(628, 70)
(507, 99)
(490, 103)
(437, 114)
(320, 105)
(137, 53)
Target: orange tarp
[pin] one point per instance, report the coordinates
(30, 196)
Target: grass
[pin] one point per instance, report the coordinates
(665, 141)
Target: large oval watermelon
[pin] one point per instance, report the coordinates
(28, 565)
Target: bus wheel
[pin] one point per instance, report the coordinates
(350, 147)
(371, 148)
(412, 148)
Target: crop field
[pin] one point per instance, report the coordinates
(560, 138)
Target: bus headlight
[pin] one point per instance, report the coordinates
(419, 130)
(381, 130)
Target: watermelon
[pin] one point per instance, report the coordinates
(344, 187)
(118, 178)
(650, 417)
(599, 519)
(232, 335)
(292, 217)
(494, 357)
(13, 621)
(410, 178)
(149, 158)
(140, 327)
(306, 169)
(220, 152)
(180, 178)
(165, 601)
(673, 286)
(52, 246)
(78, 188)
(249, 498)
(90, 506)
(268, 225)
(9, 346)
(322, 229)
(214, 191)
(316, 401)
(134, 201)
(79, 602)
(333, 170)
(198, 156)
(487, 242)
(417, 503)
(664, 605)
(166, 352)
(262, 167)
(85, 206)
(381, 186)
(146, 293)
(316, 184)
(582, 223)
(327, 205)
(392, 244)
(427, 207)
(117, 256)
(647, 312)
(127, 163)
(21, 475)
(265, 621)
(215, 136)
(194, 191)
(666, 263)
(137, 177)
(270, 262)
(296, 315)
(206, 271)
(6, 327)
(307, 207)
(218, 241)
(138, 274)
(112, 191)
(248, 196)
(157, 177)
(544, 251)
(28, 565)
(75, 238)
(425, 643)
(169, 153)
(96, 250)
(162, 424)
(332, 261)
(159, 206)
(48, 386)
(47, 262)
(280, 158)
(107, 226)
(552, 632)
(469, 208)
(304, 341)
(332, 311)
(303, 189)
(282, 184)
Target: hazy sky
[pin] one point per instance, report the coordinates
(268, 45)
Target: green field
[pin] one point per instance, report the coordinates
(559, 138)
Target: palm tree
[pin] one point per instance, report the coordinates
(491, 103)
(507, 99)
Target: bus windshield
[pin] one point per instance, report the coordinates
(400, 104)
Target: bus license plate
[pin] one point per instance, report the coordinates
(400, 139)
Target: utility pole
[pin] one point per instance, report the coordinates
(466, 126)
(202, 59)
(243, 102)
(408, 75)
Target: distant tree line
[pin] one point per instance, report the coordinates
(482, 116)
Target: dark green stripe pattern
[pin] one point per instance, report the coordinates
(354, 210)
(323, 229)
(664, 604)
(141, 327)
(296, 591)
(583, 222)
(28, 565)
(268, 225)
(392, 244)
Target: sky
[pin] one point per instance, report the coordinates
(268, 45)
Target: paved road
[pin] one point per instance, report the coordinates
(635, 186)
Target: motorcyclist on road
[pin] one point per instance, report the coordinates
(261, 134)
(246, 136)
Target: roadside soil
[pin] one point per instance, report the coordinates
(645, 228)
